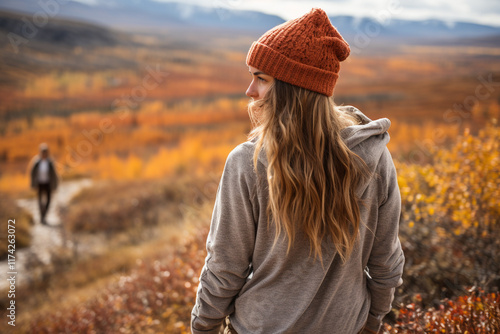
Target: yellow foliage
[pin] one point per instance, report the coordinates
(462, 184)
(72, 84)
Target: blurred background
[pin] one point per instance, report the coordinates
(141, 101)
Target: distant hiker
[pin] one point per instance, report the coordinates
(304, 233)
(44, 179)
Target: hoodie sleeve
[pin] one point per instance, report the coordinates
(386, 258)
(230, 244)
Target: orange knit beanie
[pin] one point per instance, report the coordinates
(304, 52)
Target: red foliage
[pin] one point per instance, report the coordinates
(475, 313)
(157, 297)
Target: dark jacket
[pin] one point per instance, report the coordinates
(53, 177)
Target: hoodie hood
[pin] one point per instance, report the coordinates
(368, 139)
(356, 134)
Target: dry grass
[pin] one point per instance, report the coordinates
(11, 214)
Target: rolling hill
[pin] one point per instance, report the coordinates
(160, 17)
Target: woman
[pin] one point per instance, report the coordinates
(304, 233)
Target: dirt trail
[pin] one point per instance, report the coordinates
(45, 239)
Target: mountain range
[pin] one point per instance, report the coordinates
(153, 16)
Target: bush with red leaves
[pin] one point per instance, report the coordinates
(477, 313)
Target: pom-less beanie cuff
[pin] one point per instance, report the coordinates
(304, 52)
(288, 70)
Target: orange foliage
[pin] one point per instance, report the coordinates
(158, 139)
(192, 155)
(15, 182)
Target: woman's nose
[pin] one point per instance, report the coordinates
(251, 92)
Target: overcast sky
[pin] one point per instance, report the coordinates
(482, 11)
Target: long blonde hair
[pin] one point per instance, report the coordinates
(312, 174)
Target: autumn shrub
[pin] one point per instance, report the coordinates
(476, 312)
(20, 219)
(450, 228)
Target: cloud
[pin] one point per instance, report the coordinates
(481, 11)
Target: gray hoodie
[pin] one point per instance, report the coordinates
(263, 289)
